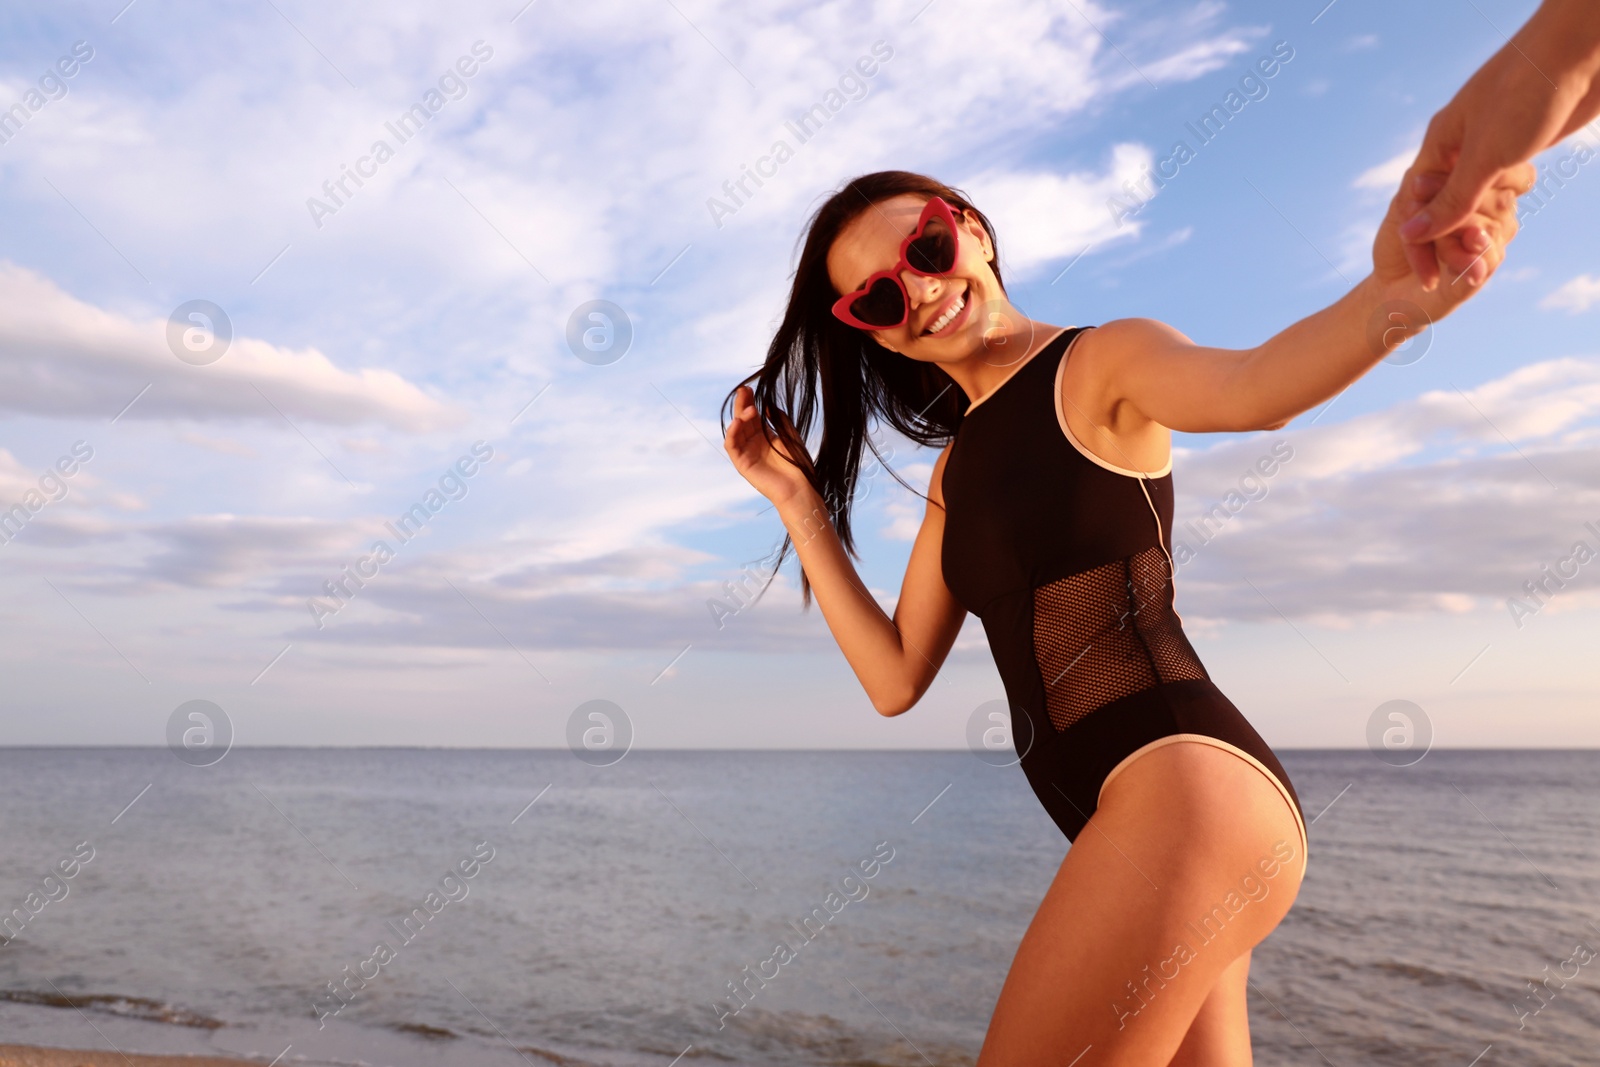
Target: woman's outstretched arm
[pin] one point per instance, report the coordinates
(894, 659)
(1167, 379)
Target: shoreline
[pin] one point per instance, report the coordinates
(40, 1056)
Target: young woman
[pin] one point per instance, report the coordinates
(1050, 516)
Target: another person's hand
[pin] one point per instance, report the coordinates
(1540, 88)
(1453, 254)
(1488, 226)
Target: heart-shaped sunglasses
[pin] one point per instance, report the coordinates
(930, 250)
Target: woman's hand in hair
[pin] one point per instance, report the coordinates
(765, 464)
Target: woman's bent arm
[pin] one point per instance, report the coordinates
(895, 659)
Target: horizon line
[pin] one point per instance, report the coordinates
(563, 748)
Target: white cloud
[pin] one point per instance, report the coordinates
(1043, 217)
(599, 191)
(17, 479)
(63, 357)
(226, 551)
(224, 445)
(590, 144)
(1354, 250)
(1578, 295)
(1386, 175)
(1155, 248)
(905, 521)
(1202, 47)
(1200, 58)
(1414, 509)
(562, 195)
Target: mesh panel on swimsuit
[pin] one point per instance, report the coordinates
(1107, 632)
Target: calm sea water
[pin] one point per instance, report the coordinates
(618, 906)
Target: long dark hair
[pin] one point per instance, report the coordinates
(816, 360)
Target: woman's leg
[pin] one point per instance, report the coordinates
(1192, 857)
(1219, 1036)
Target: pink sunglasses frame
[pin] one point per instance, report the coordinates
(936, 208)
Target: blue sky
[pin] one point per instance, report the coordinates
(375, 345)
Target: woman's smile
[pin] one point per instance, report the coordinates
(951, 317)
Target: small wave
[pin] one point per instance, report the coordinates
(769, 1035)
(556, 1057)
(115, 1004)
(1428, 976)
(424, 1030)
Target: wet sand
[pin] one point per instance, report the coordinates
(28, 1056)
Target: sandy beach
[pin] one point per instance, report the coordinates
(28, 1056)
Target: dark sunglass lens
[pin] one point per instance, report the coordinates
(934, 250)
(882, 306)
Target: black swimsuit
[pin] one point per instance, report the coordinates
(1063, 557)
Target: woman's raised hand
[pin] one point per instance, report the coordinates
(1489, 227)
(762, 463)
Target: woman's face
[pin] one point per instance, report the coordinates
(871, 242)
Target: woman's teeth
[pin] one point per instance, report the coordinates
(944, 320)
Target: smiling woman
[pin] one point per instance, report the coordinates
(1050, 513)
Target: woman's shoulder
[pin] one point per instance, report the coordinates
(1092, 359)
(1119, 334)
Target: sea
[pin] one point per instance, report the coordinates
(421, 907)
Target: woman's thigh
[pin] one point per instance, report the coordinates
(1192, 858)
(1219, 1034)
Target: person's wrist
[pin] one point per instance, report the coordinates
(801, 502)
(806, 516)
(1390, 308)
(1373, 292)
(1562, 41)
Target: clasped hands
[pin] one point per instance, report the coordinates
(1456, 207)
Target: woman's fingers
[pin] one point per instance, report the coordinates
(739, 430)
(1456, 253)
(1416, 189)
(1460, 254)
(1495, 230)
(744, 431)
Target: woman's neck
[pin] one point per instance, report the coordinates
(998, 357)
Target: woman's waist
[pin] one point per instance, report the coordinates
(1108, 591)
(1093, 747)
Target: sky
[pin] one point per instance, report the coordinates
(407, 334)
